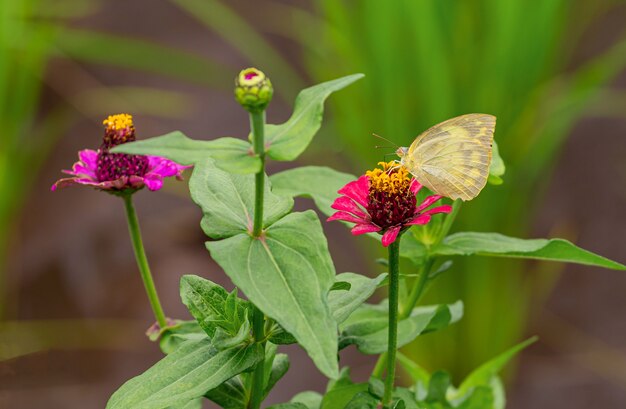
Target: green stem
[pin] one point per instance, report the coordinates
(257, 125)
(447, 223)
(142, 260)
(392, 339)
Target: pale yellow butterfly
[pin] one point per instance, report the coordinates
(452, 158)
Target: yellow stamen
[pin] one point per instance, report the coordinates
(119, 121)
(392, 178)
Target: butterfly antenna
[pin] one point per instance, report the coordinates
(386, 140)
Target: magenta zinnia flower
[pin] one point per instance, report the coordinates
(119, 172)
(384, 201)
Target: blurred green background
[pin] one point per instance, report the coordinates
(553, 72)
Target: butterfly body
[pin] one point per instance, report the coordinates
(452, 158)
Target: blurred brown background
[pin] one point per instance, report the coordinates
(74, 307)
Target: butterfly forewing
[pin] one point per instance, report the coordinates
(453, 158)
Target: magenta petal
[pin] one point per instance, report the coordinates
(390, 235)
(81, 170)
(439, 209)
(346, 217)
(427, 202)
(357, 190)
(89, 158)
(363, 228)
(419, 220)
(415, 186)
(346, 204)
(153, 182)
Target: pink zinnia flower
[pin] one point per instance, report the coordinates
(119, 172)
(384, 201)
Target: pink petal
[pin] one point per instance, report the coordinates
(363, 228)
(427, 202)
(346, 204)
(415, 186)
(390, 235)
(81, 170)
(165, 167)
(346, 217)
(357, 190)
(153, 182)
(439, 209)
(419, 220)
(89, 158)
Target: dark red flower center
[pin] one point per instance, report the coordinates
(391, 201)
(119, 129)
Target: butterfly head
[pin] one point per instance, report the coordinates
(402, 151)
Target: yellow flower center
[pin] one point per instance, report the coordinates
(119, 121)
(393, 178)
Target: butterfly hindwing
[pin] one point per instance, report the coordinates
(453, 158)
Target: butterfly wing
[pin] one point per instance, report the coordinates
(453, 158)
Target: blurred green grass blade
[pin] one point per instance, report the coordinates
(144, 56)
(243, 36)
(139, 100)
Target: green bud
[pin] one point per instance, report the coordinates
(253, 90)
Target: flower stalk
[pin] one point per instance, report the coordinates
(142, 260)
(392, 338)
(253, 90)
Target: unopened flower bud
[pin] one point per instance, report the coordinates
(253, 90)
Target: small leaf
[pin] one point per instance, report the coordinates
(175, 335)
(494, 244)
(480, 398)
(407, 397)
(438, 387)
(483, 375)
(340, 286)
(341, 391)
(367, 326)
(316, 182)
(227, 201)
(231, 154)
(280, 366)
(310, 399)
(230, 394)
(205, 300)
(342, 304)
(287, 273)
(362, 400)
(296, 405)
(376, 387)
(187, 373)
(287, 141)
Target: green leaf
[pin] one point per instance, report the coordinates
(341, 391)
(310, 399)
(376, 387)
(316, 182)
(407, 396)
(438, 387)
(280, 366)
(480, 398)
(187, 373)
(288, 140)
(227, 201)
(362, 400)
(494, 244)
(207, 303)
(343, 303)
(230, 394)
(172, 337)
(231, 154)
(192, 404)
(482, 376)
(367, 326)
(296, 405)
(287, 273)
